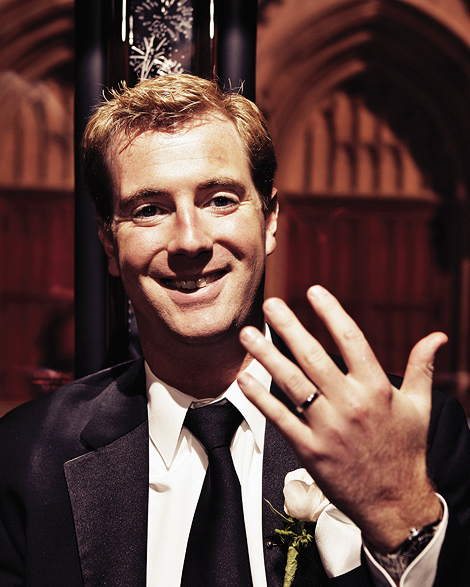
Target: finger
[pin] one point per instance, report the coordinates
(298, 434)
(420, 368)
(351, 342)
(309, 353)
(286, 374)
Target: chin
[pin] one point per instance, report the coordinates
(202, 336)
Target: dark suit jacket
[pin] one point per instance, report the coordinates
(74, 488)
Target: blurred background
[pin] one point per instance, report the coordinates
(368, 102)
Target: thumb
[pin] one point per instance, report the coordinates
(420, 368)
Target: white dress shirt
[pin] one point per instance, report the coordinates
(177, 465)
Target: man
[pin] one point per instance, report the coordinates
(101, 480)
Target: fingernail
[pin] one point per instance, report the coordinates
(317, 291)
(249, 334)
(243, 379)
(273, 304)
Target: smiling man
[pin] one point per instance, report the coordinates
(158, 472)
(189, 238)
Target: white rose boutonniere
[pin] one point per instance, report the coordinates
(304, 502)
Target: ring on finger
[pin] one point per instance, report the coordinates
(308, 402)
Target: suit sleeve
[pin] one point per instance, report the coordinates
(449, 470)
(11, 566)
(12, 515)
(449, 456)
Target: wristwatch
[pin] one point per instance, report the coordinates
(395, 563)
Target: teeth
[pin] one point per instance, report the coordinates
(194, 283)
(198, 284)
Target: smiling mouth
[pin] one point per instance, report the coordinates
(192, 285)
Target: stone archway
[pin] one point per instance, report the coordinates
(404, 148)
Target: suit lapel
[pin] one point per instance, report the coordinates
(278, 460)
(108, 487)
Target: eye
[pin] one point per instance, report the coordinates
(148, 211)
(221, 201)
(224, 201)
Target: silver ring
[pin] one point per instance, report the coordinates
(308, 402)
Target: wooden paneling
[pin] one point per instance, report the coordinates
(36, 291)
(376, 257)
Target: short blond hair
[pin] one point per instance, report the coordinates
(167, 103)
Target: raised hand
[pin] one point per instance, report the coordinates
(363, 440)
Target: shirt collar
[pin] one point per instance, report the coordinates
(167, 408)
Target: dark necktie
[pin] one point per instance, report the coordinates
(217, 551)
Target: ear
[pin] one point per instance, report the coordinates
(271, 222)
(107, 240)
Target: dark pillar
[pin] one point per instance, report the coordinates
(236, 44)
(90, 266)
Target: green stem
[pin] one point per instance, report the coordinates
(291, 566)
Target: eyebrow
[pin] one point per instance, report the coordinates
(226, 182)
(141, 194)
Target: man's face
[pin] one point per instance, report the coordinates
(189, 237)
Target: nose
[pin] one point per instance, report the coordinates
(190, 234)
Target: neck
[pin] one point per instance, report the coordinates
(200, 369)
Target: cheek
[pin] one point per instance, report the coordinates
(135, 253)
(256, 244)
(246, 237)
(254, 257)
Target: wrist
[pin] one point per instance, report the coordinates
(395, 563)
(395, 525)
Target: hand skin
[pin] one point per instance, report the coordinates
(363, 441)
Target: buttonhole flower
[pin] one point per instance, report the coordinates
(304, 502)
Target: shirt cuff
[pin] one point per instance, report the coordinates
(422, 571)
(338, 541)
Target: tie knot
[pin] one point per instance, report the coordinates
(214, 425)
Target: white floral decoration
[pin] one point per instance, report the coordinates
(304, 500)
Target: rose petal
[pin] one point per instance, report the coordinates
(304, 500)
(299, 475)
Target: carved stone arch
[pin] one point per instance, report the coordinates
(400, 59)
(408, 76)
(37, 125)
(36, 87)
(37, 38)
